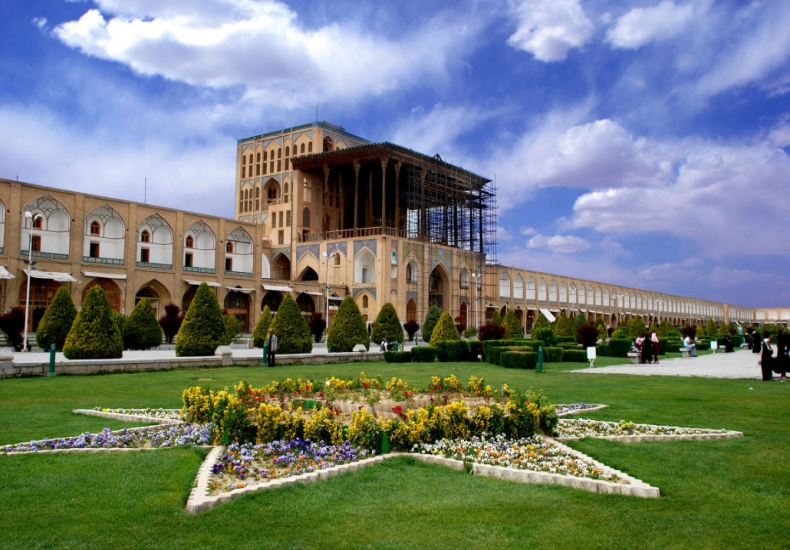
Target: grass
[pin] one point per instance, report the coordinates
(715, 494)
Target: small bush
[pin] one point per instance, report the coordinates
(519, 360)
(411, 328)
(94, 334)
(171, 322)
(347, 328)
(387, 326)
(496, 319)
(496, 352)
(233, 326)
(56, 323)
(203, 328)
(574, 356)
(540, 322)
(444, 329)
(512, 325)
(450, 350)
(619, 347)
(474, 350)
(290, 327)
(602, 350)
(423, 354)
(142, 330)
(490, 331)
(563, 326)
(471, 332)
(431, 318)
(261, 332)
(397, 356)
(545, 335)
(552, 354)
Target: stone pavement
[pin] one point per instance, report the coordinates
(741, 364)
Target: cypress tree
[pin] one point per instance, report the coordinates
(290, 327)
(431, 318)
(710, 328)
(496, 318)
(601, 326)
(203, 328)
(444, 329)
(512, 326)
(724, 330)
(142, 330)
(94, 334)
(347, 328)
(387, 325)
(700, 332)
(579, 321)
(540, 322)
(56, 323)
(636, 326)
(652, 328)
(563, 326)
(261, 332)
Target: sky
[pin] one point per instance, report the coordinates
(638, 143)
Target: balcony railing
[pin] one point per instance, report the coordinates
(110, 261)
(45, 255)
(350, 234)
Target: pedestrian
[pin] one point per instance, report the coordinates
(766, 358)
(782, 360)
(272, 347)
(646, 352)
(654, 341)
(756, 341)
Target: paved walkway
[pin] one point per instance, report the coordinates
(740, 364)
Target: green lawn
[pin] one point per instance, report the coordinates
(715, 494)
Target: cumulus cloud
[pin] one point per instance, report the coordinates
(262, 47)
(641, 26)
(549, 29)
(561, 244)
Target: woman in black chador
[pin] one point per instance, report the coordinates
(646, 353)
(780, 366)
(756, 341)
(766, 358)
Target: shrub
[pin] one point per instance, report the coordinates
(261, 332)
(397, 356)
(724, 330)
(387, 325)
(347, 328)
(619, 347)
(290, 327)
(444, 329)
(423, 354)
(490, 331)
(710, 328)
(700, 333)
(471, 332)
(620, 334)
(601, 326)
(552, 354)
(431, 318)
(496, 318)
(563, 326)
(233, 326)
(56, 323)
(12, 324)
(450, 350)
(545, 335)
(120, 321)
(142, 330)
(579, 321)
(540, 322)
(411, 327)
(171, 322)
(203, 328)
(566, 339)
(588, 335)
(574, 356)
(94, 334)
(474, 351)
(636, 326)
(519, 359)
(602, 350)
(512, 325)
(497, 351)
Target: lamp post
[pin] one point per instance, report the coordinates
(31, 218)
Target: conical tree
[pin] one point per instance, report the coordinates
(496, 318)
(652, 328)
(203, 328)
(563, 326)
(56, 323)
(290, 327)
(512, 326)
(387, 325)
(444, 329)
(431, 318)
(579, 321)
(94, 334)
(601, 326)
(142, 330)
(636, 326)
(261, 332)
(724, 330)
(710, 328)
(540, 322)
(700, 331)
(347, 328)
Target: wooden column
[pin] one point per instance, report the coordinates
(369, 216)
(356, 195)
(397, 198)
(423, 219)
(383, 194)
(324, 202)
(342, 201)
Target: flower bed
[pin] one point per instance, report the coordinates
(533, 454)
(148, 438)
(245, 463)
(579, 428)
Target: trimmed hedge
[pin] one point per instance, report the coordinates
(450, 350)
(602, 350)
(142, 330)
(566, 339)
(552, 354)
(347, 328)
(397, 356)
(568, 345)
(545, 335)
(496, 353)
(57, 321)
(94, 334)
(474, 350)
(423, 354)
(519, 359)
(619, 347)
(574, 356)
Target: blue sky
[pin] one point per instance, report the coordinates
(642, 143)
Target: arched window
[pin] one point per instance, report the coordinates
(244, 166)
(145, 236)
(563, 292)
(336, 256)
(285, 192)
(38, 222)
(552, 291)
(504, 285)
(95, 228)
(310, 147)
(190, 241)
(328, 144)
(530, 288)
(582, 294)
(301, 149)
(258, 157)
(287, 151)
(411, 272)
(306, 217)
(542, 290)
(279, 153)
(411, 310)
(265, 156)
(518, 287)
(229, 247)
(364, 301)
(257, 198)
(572, 294)
(464, 278)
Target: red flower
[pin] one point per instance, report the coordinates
(366, 384)
(478, 392)
(321, 394)
(298, 392)
(249, 392)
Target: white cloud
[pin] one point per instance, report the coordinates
(528, 231)
(560, 244)
(262, 47)
(641, 26)
(549, 29)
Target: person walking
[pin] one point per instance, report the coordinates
(654, 342)
(782, 359)
(766, 358)
(756, 342)
(272, 347)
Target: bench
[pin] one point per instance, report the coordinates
(685, 352)
(634, 357)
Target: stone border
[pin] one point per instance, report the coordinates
(580, 411)
(128, 417)
(658, 437)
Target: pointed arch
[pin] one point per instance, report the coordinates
(365, 267)
(155, 242)
(202, 256)
(552, 291)
(105, 236)
(504, 285)
(542, 290)
(518, 287)
(530, 288)
(563, 292)
(54, 233)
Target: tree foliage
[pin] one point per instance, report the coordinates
(579, 321)
(233, 327)
(563, 326)
(431, 318)
(636, 326)
(171, 321)
(710, 328)
(444, 329)
(141, 330)
(512, 326)
(261, 332)
(411, 327)
(57, 321)
(490, 331)
(540, 322)
(203, 328)
(94, 333)
(290, 327)
(347, 328)
(496, 318)
(387, 325)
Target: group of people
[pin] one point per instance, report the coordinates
(647, 348)
(770, 364)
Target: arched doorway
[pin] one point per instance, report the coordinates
(273, 299)
(530, 320)
(42, 292)
(411, 310)
(238, 303)
(309, 274)
(462, 315)
(306, 305)
(520, 316)
(154, 299)
(438, 286)
(281, 268)
(110, 289)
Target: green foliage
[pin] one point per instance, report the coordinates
(619, 348)
(574, 356)
(471, 332)
(519, 359)
(710, 328)
(552, 354)
(636, 326)
(387, 325)
(700, 332)
(494, 349)
(579, 321)
(652, 328)
(563, 325)
(512, 325)
(431, 318)
(603, 350)
(261, 332)
(347, 328)
(724, 330)
(450, 350)
(496, 318)
(56, 323)
(423, 354)
(233, 326)
(397, 356)
(142, 330)
(120, 320)
(444, 329)
(94, 334)
(203, 328)
(540, 322)
(290, 327)
(664, 327)
(545, 335)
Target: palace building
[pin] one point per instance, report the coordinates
(320, 214)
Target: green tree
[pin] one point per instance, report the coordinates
(579, 321)
(540, 322)
(444, 329)
(56, 323)
(431, 318)
(563, 326)
(233, 327)
(290, 327)
(203, 328)
(664, 327)
(601, 326)
(636, 326)
(347, 328)
(387, 325)
(142, 330)
(710, 328)
(700, 332)
(94, 334)
(512, 326)
(261, 332)
(724, 330)
(652, 328)
(496, 318)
